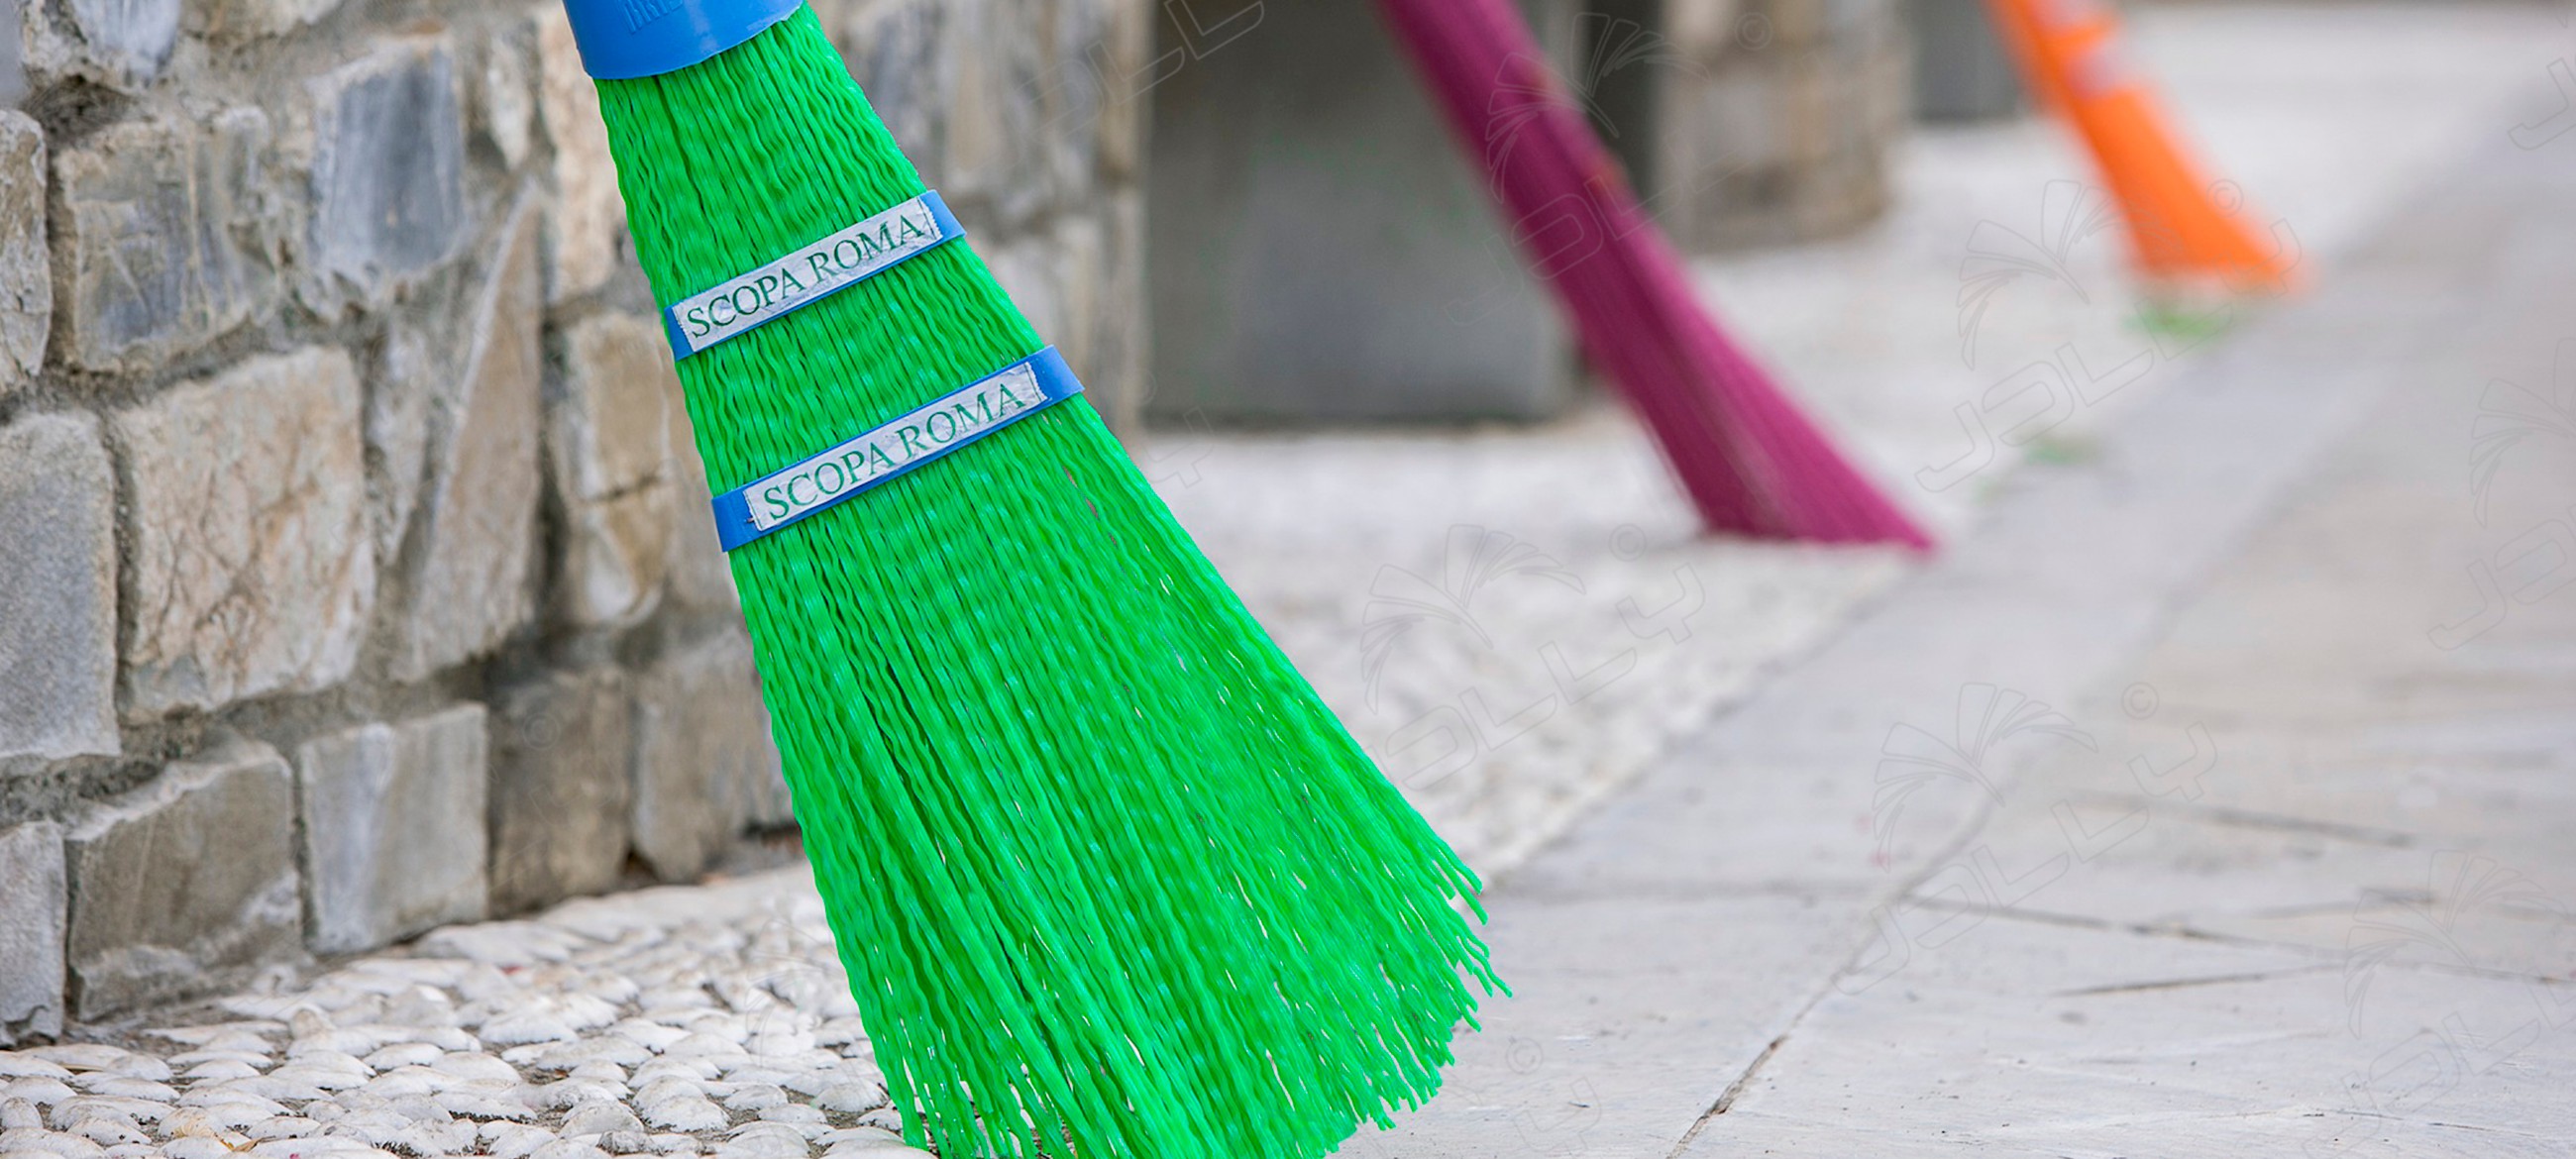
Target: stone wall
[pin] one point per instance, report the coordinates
(355, 569)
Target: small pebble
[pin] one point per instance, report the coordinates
(221, 1068)
(599, 1117)
(109, 1083)
(851, 1098)
(475, 1104)
(513, 1140)
(284, 1127)
(626, 1143)
(223, 1098)
(40, 1091)
(703, 1046)
(477, 1067)
(764, 1141)
(695, 1070)
(69, 1146)
(403, 1054)
(197, 1147)
(755, 1097)
(570, 1092)
(108, 1130)
(568, 1149)
(685, 1113)
(16, 1065)
(258, 1058)
(523, 1029)
(599, 1070)
(652, 1036)
(80, 1056)
(271, 1087)
(584, 1012)
(79, 1107)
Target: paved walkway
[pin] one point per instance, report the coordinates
(2211, 800)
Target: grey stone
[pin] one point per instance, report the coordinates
(246, 508)
(470, 584)
(164, 244)
(609, 442)
(394, 839)
(187, 875)
(236, 19)
(705, 766)
(124, 44)
(588, 216)
(32, 899)
(388, 169)
(57, 589)
(561, 788)
(26, 279)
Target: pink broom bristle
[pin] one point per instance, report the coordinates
(1751, 462)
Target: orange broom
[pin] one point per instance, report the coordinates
(2183, 238)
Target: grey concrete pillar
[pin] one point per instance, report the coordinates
(1961, 69)
(1320, 250)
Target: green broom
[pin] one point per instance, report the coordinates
(1108, 878)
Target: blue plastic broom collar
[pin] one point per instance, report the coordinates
(625, 39)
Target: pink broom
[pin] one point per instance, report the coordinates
(1751, 462)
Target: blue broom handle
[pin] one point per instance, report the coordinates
(624, 39)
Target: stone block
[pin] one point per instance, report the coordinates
(123, 44)
(394, 828)
(57, 589)
(562, 788)
(161, 243)
(26, 278)
(615, 552)
(246, 509)
(469, 581)
(705, 767)
(388, 171)
(588, 216)
(241, 19)
(609, 430)
(32, 900)
(164, 244)
(183, 878)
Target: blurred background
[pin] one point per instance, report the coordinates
(356, 577)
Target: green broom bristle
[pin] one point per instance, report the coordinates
(1108, 877)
